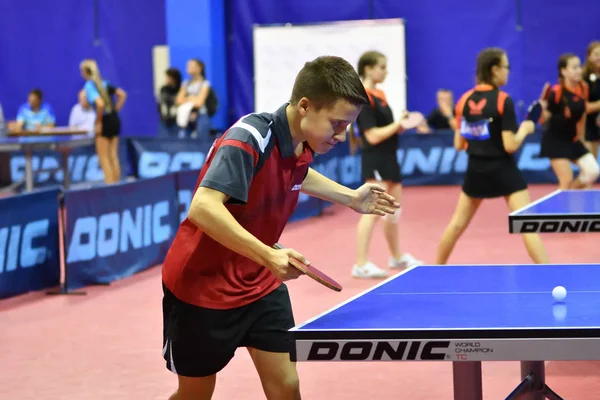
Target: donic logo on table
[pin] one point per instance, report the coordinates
(22, 246)
(119, 232)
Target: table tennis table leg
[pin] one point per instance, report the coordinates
(536, 369)
(533, 386)
(467, 380)
(28, 170)
(65, 168)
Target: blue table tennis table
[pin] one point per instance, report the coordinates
(63, 143)
(466, 314)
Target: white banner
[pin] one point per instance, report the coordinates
(280, 52)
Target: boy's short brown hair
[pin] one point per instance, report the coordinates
(328, 79)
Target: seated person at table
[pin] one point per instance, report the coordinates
(35, 114)
(442, 118)
(83, 115)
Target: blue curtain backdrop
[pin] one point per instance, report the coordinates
(443, 39)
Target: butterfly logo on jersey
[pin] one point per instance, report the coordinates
(476, 108)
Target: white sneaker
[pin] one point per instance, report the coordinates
(368, 270)
(406, 261)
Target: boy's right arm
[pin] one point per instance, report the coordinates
(208, 212)
(228, 178)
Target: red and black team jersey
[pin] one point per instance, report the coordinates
(567, 107)
(482, 114)
(253, 163)
(376, 115)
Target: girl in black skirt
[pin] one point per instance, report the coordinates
(378, 131)
(562, 142)
(487, 128)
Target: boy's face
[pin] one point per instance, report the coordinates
(324, 128)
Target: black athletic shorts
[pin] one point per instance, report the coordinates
(111, 125)
(553, 148)
(488, 178)
(380, 165)
(201, 341)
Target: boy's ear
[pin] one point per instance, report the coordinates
(303, 106)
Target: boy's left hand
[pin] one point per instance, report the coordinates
(371, 198)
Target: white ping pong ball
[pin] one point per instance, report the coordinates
(559, 293)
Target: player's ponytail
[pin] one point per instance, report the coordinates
(353, 139)
(486, 60)
(91, 67)
(367, 59)
(563, 61)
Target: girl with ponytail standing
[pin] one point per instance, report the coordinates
(100, 95)
(562, 143)
(378, 137)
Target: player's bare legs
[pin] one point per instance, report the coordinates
(463, 214)
(277, 373)
(114, 159)
(399, 258)
(533, 241)
(588, 171)
(364, 231)
(564, 173)
(390, 222)
(592, 147)
(103, 152)
(195, 388)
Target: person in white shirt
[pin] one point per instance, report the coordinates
(191, 102)
(83, 115)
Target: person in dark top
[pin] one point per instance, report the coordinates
(378, 135)
(167, 107)
(591, 75)
(487, 129)
(442, 118)
(222, 278)
(562, 142)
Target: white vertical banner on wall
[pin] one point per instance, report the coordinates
(281, 51)
(160, 63)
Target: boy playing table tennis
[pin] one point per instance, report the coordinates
(222, 280)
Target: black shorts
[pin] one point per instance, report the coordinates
(201, 341)
(553, 148)
(384, 165)
(487, 178)
(111, 125)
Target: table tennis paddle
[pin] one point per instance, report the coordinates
(534, 112)
(411, 120)
(312, 272)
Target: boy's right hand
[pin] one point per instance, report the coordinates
(278, 263)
